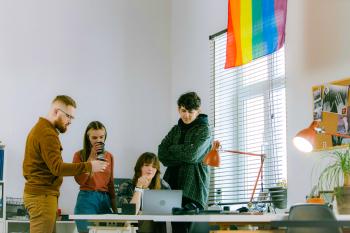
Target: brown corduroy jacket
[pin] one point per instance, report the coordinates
(43, 167)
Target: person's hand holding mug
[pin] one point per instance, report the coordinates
(98, 166)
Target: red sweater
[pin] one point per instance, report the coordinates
(98, 181)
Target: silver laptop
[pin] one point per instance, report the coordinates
(160, 201)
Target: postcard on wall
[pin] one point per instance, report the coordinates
(335, 99)
(338, 141)
(343, 123)
(317, 97)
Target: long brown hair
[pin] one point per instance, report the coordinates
(148, 158)
(85, 152)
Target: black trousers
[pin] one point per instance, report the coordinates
(184, 227)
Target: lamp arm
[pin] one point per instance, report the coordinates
(213, 159)
(257, 178)
(243, 153)
(321, 130)
(338, 135)
(262, 156)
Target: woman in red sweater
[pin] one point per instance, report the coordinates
(96, 195)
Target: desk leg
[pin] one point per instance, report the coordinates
(168, 227)
(101, 229)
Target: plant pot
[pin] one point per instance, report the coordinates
(343, 199)
(278, 197)
(347, 179)
(315, 200)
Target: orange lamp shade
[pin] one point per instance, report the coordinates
(212, 158)
(305, 139)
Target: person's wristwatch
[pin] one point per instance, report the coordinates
(137, 189)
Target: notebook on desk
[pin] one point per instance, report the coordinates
(160, 201)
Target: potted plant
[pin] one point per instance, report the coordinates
(278, 195)
(336, 176)
(314, 196)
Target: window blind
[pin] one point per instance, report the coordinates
(249, 114)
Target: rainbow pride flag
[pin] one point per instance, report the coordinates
(255, 28)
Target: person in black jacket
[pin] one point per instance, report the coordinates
(182, 151)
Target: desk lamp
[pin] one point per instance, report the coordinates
(213, 159)
(305, 139)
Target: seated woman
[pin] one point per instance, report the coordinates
(147, 176)
(96, 195)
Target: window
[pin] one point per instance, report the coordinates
(249, 114)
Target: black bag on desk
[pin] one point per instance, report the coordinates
(188, 209)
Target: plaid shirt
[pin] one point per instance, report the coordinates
(193, 175)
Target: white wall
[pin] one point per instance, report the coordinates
(317, 51)
(112, 57)
(191, 24)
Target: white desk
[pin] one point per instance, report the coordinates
(229, 218)
(223, 220)
(342, 217)
(219, 219)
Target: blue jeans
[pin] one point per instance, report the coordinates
(91, 202)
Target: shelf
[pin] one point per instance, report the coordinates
(15, 225)
(27, 221)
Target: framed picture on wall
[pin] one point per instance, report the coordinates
(335, 99)
(343, 123)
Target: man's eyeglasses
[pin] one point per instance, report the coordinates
(67, 115)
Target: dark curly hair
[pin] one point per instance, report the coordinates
(189, 100)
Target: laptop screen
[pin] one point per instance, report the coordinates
(161, 201)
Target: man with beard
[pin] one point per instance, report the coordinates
(43, 167)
